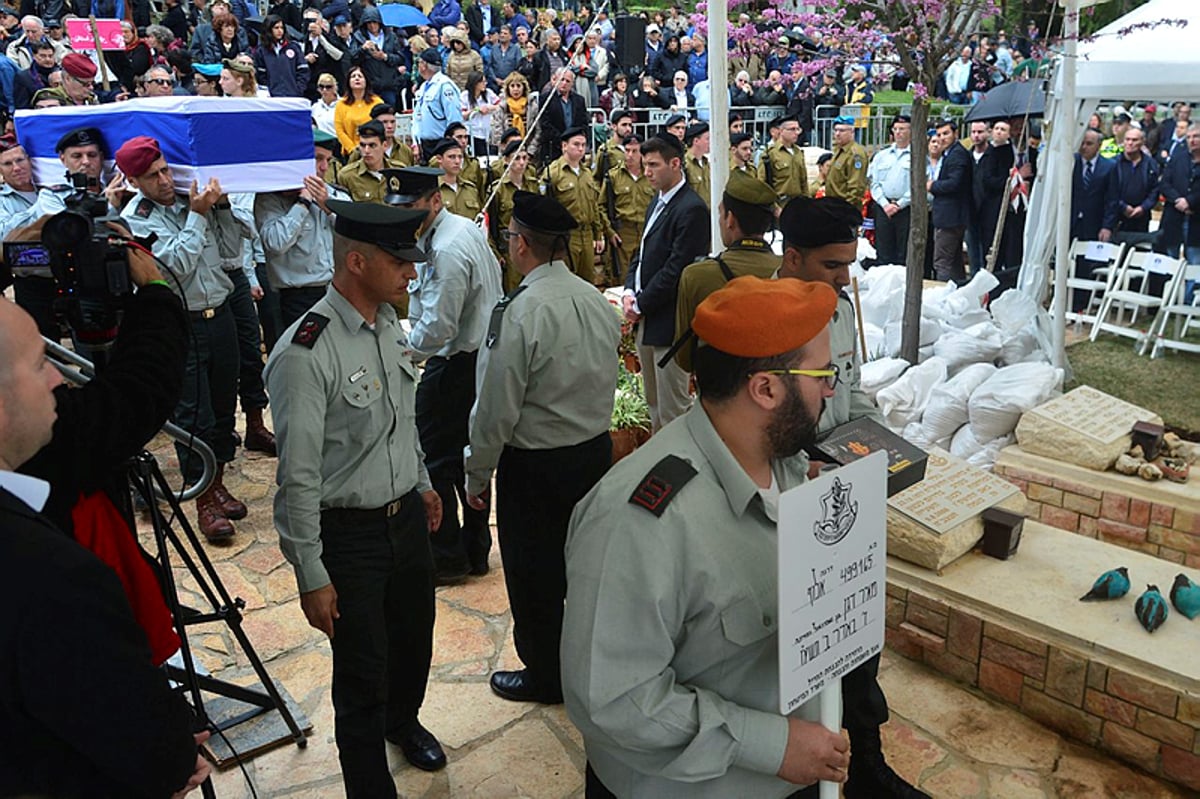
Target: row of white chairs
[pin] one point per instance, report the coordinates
(1122, 287)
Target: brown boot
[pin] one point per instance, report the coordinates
(231, 507)
(213, 524)
(258, 437)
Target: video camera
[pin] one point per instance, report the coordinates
(88, 261)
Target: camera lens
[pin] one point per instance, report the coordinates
(66, 231)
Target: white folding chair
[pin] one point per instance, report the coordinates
(1184, 315)
(1149, 263)
(1106, 253)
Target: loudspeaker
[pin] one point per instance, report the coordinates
(631, 44)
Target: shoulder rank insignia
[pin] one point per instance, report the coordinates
(145, 208)
(310, 329)
(659, 487)
(497, 320)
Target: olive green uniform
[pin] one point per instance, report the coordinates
(627, 198)
(747, 257)
(699, 176)
(847, 178)
(462, 199)
(578, 193)
(607, 157)
(363, 185)
(499, 215)
(782, 168)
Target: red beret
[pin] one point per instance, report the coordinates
(137, 154)
(752, 317)
(79, 66)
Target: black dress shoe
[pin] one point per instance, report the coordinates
(517, 686)
(420, 748)
(456, 576)
(479, 571)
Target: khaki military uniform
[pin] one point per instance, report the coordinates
(474, 173)
(578, 193)
(747, 257)
(400, 157)
(626, 201)
(783, 170)
(847, 178)
(699, 176)
(499, 215)
(363, 185)
(462, 198)
(607, 156)
(736, 166)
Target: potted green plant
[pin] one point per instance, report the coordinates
(630, 425)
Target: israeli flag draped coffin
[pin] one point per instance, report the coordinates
(248, 144)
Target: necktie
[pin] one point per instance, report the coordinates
(1087, 176)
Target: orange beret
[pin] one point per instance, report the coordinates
(752, 317)
(79, 66)
(136, 156)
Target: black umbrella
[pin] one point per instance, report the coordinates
(1015, 99)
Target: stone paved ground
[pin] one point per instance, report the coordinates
(951, 740)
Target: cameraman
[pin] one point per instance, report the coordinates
(107, 422)
(84, 711)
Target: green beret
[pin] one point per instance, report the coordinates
(747, 189)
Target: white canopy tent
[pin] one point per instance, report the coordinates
(1138, 57)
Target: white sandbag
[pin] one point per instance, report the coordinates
(881, 292)
(874, 375)
(998, 403)
(877, 345)
(903, 401)
(946, 410)
(970, 318)
(1020, 347)
(977, 344)
(914, 433)
(964, 444)
(1013, 310)
(961, 300)
(985, 458)
(930, 331)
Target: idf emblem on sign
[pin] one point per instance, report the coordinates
(838, 513)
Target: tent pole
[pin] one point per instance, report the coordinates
(1065, 141)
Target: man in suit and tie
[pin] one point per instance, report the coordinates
(1089, 203)
(564, 109)
(951, 190)
(1177, 180)
(676, 234)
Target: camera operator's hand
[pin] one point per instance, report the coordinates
(143, 269)
(202, 200)
(202, 770)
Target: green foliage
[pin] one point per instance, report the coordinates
(1165, 385)
(629, 402)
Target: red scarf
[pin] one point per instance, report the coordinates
(100, 528)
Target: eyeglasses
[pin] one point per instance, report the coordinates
(510, 234)
(160, 81)
(326, 86)
(830, 375)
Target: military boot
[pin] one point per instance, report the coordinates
(258, 437)
(209, 518)
(231, 507)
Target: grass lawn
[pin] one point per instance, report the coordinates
(1169, 386)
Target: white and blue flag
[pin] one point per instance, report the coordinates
(248, 144)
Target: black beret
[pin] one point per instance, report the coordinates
(443, 145)
(807, 222)
(511, 147)
(372, 128)
(824, 158)
(541, 213)
(631, 138)
(81, 137)
(407, 185)
(902, 118)
(431, 56)
(619, 114)
(393, 230)
(509, 133)
(694, 130)
(674, 119)
(381, 109)
(453, 126)
(571, 133)
(738, 138)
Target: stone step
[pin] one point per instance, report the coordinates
(1016, 630)
(1160, 518)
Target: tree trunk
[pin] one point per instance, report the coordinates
(918, 233)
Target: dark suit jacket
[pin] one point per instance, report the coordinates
(989, 180)
(554, 123)
(474, 17)
(1088, 208)
(1176, 178)
(680, 235)
(82, 711)
(952, 190)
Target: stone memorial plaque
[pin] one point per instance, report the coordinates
(1094, 414)
(952, 492)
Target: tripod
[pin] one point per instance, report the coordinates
(146, 477)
